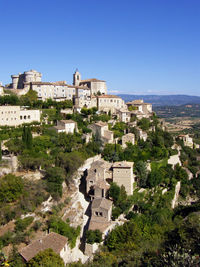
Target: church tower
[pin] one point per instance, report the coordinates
(76, 78)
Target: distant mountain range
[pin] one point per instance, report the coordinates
(163, 100)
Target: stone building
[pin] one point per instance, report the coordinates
(95, 85)
(66, 126)
(187, 140)
(102, 207)
(57, 91)
(123, 175)
(128, 138)
(102, 172)
(142, 135)
(16, 115)
(100, 129)
(140, 109)
(96, 180)
(123, 114)
(101, 210)
(58, 243)
(110, 103)
(21, 80)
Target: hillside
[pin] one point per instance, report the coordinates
(191, 110)
(163, 100)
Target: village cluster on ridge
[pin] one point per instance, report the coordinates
(97, 175)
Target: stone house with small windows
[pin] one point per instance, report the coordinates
(123, 115)
(54, 241)
(106, 103)
(101, 211)
(16, 115)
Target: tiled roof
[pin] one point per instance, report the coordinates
(91, 80)
(102, 184)
(122, 164)
(101, 203)
(54, 241)
(129, 134)
(101, 123)
(67, 121)
(99, 223)
(108, 96)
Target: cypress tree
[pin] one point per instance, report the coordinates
(29, 138)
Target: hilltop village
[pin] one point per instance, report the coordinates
(89, 180)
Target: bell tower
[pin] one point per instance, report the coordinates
(76, 78)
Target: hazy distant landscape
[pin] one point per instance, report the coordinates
(163, 100)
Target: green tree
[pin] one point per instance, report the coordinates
(46, 258)
(93, 236)
(27, 138)
(11, 188)
(142, 173)
(114, 192)
(55, 177)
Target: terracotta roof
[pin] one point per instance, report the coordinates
(129, 134)
(101, 203)
(137, 102)
(108, 96)
(122, 164)
(102, 184)
(123, 110)
(99, 223)
(54, 241)
(101, 123)
(91, 80)
(67, 121)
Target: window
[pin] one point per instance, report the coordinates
(25, 117)
(20, 117)
(29, 116)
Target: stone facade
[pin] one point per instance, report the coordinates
(110, 103)
(100, 129)
(140, 109)
(123, 115)
(66, 126)
(128, 138)
(16, 115)
(20, 81)
(123, 175)
(95, 85)
(57, 91)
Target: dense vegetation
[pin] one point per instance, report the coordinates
(154, 234)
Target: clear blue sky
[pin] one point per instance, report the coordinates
(137, 46)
